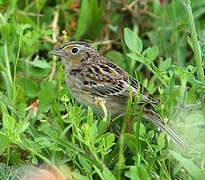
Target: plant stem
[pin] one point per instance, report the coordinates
(7, 62)
(162, 80)
(3, 21)
(15, 68)
(34, 152)
(95, 156)
(53, 70)
(38, 16)
(196, 47)
(180, 60)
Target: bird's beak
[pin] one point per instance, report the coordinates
(58, 52)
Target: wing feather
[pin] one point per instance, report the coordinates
(111, 82)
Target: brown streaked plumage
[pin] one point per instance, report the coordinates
(89, 75)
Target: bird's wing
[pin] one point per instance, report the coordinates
(104, 86)
(110, 81)
(107, 80)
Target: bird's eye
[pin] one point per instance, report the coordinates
(75, 50)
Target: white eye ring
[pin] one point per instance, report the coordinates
(74, 50)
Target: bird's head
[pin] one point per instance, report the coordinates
(75, 53)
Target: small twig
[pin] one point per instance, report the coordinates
(199, 125)
(202, 164)
(55, 25)
(54, 35)
(185, 108)
(132, 4)
(189, 106)
(153, 15)
(47, 38)
(106, 42)
(65, 116)
(28, 13)
(117, 117)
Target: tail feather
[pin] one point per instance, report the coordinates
(156, 120)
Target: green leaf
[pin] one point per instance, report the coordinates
(155, 68)
(4, 142)
(43, 142)
(116, 57)
(136, 57)
(11, 7)
(37, 72)
(142, 130)
(107, 174)
(150, 134)
(142, 173)
(40, 4)
(20, 95)
(8, 122)
(85, 164)
(99, 172)
(138, 173)
(46, 97)
(102, 125)
(152, 86)
(93, 12)
(3, 108)
(48, 84)
(24, 19)
(152, 53)
(77, 175)
(34, 160)
(95, 23)
(132, 176)
(133, 42)
(30, 87)
(82, 20)
(131, 142)
(21, 127)
(90, 116)
(160, 140)
(109, 140)
(5, 31)
(189, 166)
(172, 83)
(41, 64)
(164, 65)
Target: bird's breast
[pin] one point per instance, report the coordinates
(74, 85)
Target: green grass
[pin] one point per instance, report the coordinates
(162, 45)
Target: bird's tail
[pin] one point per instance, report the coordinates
(156, 119)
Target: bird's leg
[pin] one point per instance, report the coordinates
(117, 117)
